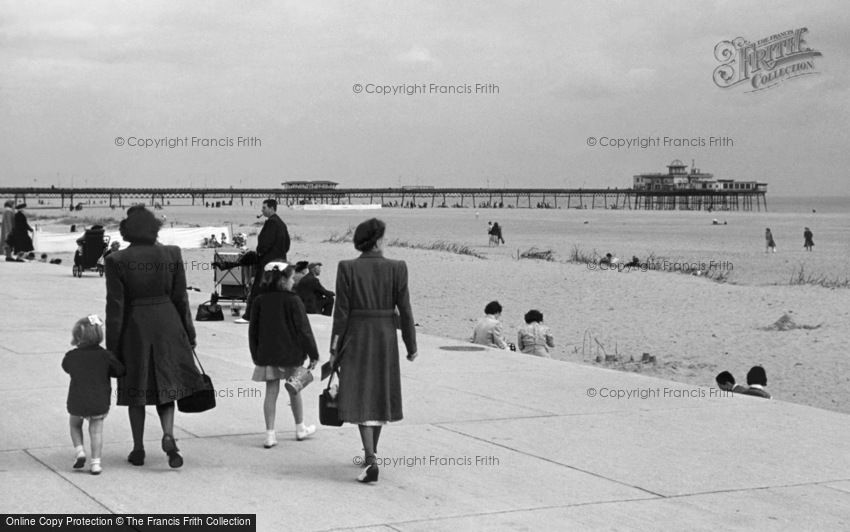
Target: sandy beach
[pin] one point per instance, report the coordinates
(692, 325)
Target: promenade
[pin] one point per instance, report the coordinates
(491, 440)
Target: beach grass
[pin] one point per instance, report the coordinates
(537, 254)
(799, 276)
(580, 256)
(440, 245)
(340, 237)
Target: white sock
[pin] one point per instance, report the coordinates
(80, 450)
(300, 427)
(95, 461)
(270, 433)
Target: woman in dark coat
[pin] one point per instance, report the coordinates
(808, 239)
(21, 241)
(369, 290)
(150, 329)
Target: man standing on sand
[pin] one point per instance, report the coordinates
(272, 245)
(8, 225)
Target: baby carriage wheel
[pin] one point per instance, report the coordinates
(76, 271)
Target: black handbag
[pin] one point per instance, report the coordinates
(328, 409)
(209, 311)
(203, 399)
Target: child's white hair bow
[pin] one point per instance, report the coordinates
(95, 320)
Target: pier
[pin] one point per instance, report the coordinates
(528, 198)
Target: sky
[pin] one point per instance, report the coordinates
(84, 85)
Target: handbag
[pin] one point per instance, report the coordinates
(328, 409)
(299, 381)
(209, 311)
(203, 399)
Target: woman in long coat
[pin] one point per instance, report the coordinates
(369, 290)
(8, 225)
(21, 240)
(149, 327)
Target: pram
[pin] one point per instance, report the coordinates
(233, 278)
(90, 250)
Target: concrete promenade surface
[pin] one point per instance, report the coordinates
(490, 441)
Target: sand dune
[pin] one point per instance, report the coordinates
(693, 326)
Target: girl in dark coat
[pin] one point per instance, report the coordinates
(149, 327)
(280, 339)
(90, 367)
(20, 240)
(369, 290)
(808, 239)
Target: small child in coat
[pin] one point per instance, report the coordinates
(90, 367)
(281, 340)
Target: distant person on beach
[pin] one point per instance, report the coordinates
(808, 241)
(488, 330)
(8, 224)
(535, 338)
(280, 340)
(272, 245)
(493, 240)
(770, 244)
(726, 382)
(496, 232)
(756, 382)
(609, 259)
(149, 327)
(90, 367)
(21, 240)
(364, 343)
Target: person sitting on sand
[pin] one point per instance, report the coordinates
(301, 270)
(726, 382)
(317, 299)
(488, 330)
(113, 247)
(756, 381)
(634, 263)
(609, 259)
(213, 242)
(535, 338)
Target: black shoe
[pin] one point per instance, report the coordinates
(170, 448)
(369, 474)
(137, 457)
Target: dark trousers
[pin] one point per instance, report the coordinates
(324, 305)
(327, 306)
(252, 295)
